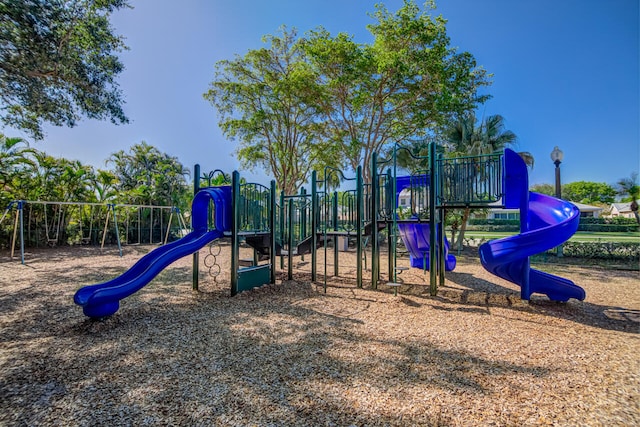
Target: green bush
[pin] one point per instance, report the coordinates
(617, 224)
(620, 220)
(497, 227)
(499, 222)
(483, 224)
(602, 250)
(620, 228)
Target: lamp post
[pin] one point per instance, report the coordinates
(556, 156)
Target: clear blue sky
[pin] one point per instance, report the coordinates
(566, 73)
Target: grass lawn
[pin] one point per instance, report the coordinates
(581, 236)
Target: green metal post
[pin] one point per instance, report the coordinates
(375, 255)
(272, 230)
(359, 210)
(196, 254)
(235, 218)
(282, 209)
(335, 237)
(290, 243)
(441, 214)
(314, 225)
(303, 217)
(433, 269)
(441, 248)
(393, 225)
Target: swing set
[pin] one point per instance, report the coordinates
(54, 223)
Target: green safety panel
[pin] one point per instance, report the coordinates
(253, 277)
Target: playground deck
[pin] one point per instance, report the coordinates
(288, 354)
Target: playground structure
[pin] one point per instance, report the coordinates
(55, 223)
(408, 207)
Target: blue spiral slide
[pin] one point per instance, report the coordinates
(545, 222)
(103, 299)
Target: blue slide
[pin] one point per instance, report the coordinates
(545, 222)
(415, 236)
(103, 299)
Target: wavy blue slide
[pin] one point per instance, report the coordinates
(415, 236)
(545, 222)
(103, 299)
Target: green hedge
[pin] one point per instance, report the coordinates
(618, 224)
(621, 228)
(495, 227)
(601, 250)
(619, 220)
(484, 221)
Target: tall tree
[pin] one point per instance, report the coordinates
(15, 154)
(404, 85)
(629, 187)
(589, 192)
(468, 138)
(147, 176)
(545, 188)
(265, 100)
(75, 181)
(104, 186)
(58, 62)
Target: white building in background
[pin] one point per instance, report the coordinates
(586, 211)
(622, 209)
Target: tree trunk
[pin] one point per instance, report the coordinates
(463, 228)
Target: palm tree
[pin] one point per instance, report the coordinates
(630, 187)
(104, 186)
(466, 138)
(14, 155)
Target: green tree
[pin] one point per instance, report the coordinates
(547, 189)
(265, 100)
(466, 137)
(144, 175)
(629, 187)
(46, 177)
(589, 192)
(104, 186)
(404, 85)
(76, 181)
(58, 62)
(15, 155)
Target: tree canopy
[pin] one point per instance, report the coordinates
(143, 175)
(544, 188)
(265, 101)
(58, 62)
(304, 103)
(630, 190)
(406, 84)
(149, 176)
(589, 192)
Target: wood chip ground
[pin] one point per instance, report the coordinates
(291, 355)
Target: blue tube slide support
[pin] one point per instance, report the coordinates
(415, 236)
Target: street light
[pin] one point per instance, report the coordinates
(557, 156)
